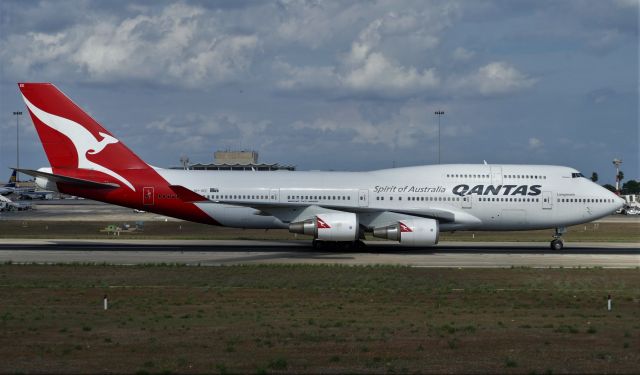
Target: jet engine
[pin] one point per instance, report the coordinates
(333, 226)
(411, 232)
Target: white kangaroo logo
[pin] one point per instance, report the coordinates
(83, 140)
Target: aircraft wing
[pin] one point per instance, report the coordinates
(295, 212)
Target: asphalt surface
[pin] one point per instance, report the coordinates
(228, 252)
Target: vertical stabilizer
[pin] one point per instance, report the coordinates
(72, 140)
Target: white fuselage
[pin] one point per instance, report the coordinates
(459, 196)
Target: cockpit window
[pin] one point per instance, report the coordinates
(576, 175)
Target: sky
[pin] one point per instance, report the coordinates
(336, 85)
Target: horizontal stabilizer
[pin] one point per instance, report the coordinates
(187, 195)
(68, 180)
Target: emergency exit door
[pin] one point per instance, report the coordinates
(363, 198)
(547, 202)
(496, 175)
(466, 201)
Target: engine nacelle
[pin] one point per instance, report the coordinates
(44, 183)
(411, 232)
(334, 226)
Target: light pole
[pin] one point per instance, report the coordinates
(617, 162)
(439, 114)
(17, 114)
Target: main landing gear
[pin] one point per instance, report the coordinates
(558, 243)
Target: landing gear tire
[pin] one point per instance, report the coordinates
(557, 244)
(316, 244)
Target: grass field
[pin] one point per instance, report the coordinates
(317, 319)
(599, 232)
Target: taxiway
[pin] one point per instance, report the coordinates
(228, 252)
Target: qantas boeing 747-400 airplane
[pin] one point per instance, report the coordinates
(409, 205)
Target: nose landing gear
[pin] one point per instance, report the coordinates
(558, 243)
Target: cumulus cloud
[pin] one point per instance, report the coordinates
(317, 77)
(627, 3)
(366, 68)
(314, 23)
(377, 73)
(407, 127)
(387, 52)
(178, 45)
(493, 79)
(198, 135)
(601, 96)
(369, 69)
(603, 41)
(462, 54)
(535, 143)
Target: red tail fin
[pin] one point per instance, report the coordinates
(72, 139)
(87, 161)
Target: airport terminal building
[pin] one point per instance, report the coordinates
(237, 161)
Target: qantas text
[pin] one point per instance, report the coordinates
(462, 190)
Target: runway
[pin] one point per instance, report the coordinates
(227, 252)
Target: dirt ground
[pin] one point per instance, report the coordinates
(317, 319)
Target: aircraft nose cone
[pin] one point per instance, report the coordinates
(621, 202)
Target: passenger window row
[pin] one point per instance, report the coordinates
(584, 200)
(509, 199)
(319, 197)
(467, 175)
(239, 197)
(528, 176)
(424, 199)
(515, 176)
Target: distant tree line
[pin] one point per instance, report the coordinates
(629, 187)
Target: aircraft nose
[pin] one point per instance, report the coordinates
(620, 202)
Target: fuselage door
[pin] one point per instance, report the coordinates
(547, 203)
(363, 198)
(147, 196)
(274, 195)
(496, 176)
(466, 201)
